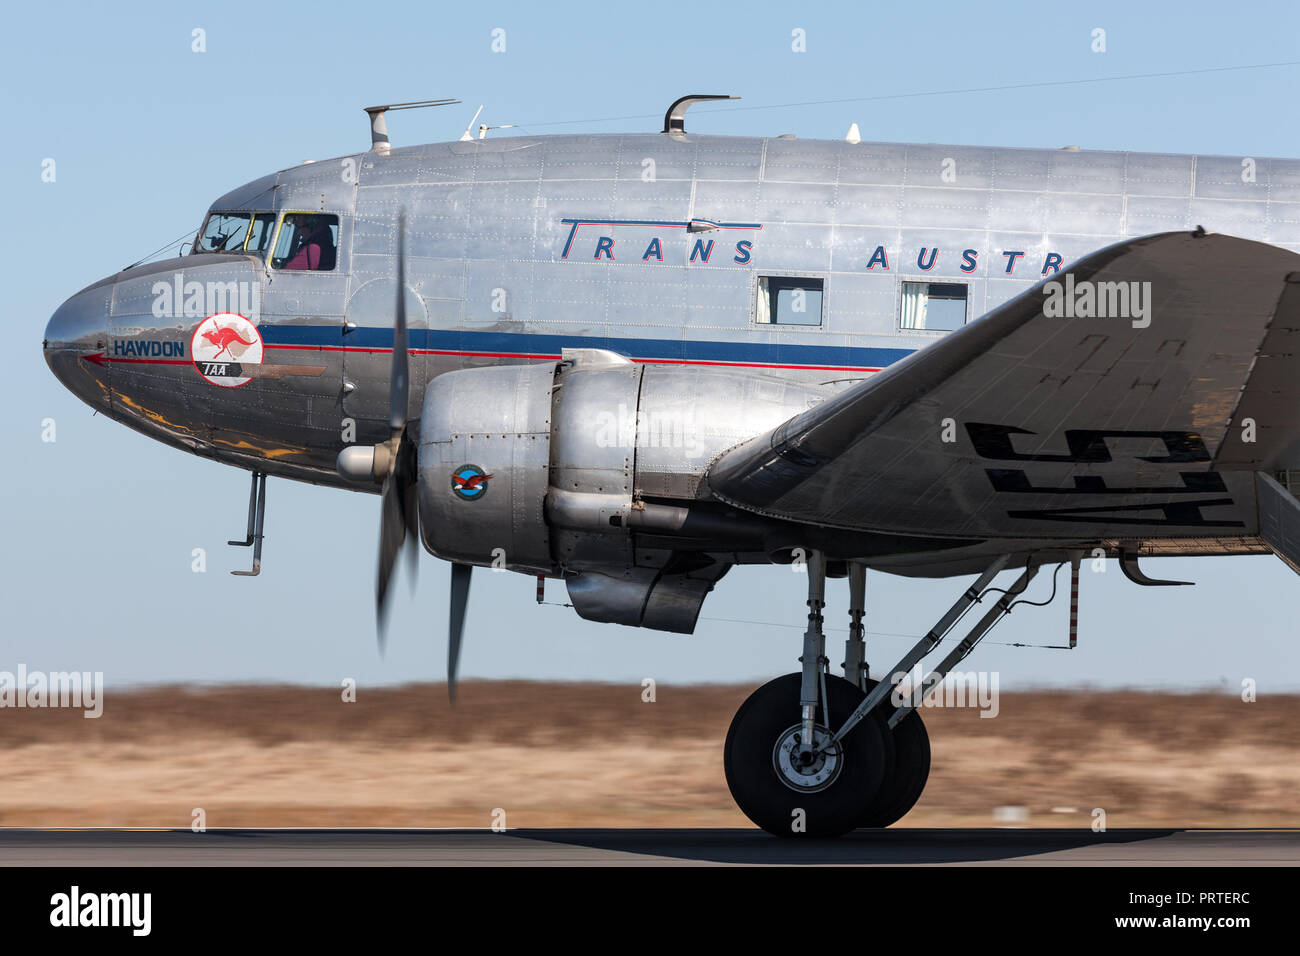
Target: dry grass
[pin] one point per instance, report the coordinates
(595, 755)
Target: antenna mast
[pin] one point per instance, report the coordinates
(379, 128)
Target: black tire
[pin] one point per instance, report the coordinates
(757, 786)
(904, 786)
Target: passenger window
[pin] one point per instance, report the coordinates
(223, 232)
(307, 242)
(933, 306)
(789, 300)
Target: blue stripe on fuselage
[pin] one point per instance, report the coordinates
(527, 343)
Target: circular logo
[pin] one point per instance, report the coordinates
(469, 482)
(223, 348)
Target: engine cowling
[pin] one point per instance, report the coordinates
(552, 468)
(484, 456)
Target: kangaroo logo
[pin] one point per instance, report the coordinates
(223, 339)
(226, 348)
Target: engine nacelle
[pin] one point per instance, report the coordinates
(485, 438)
(547, 468)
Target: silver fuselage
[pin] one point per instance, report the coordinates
(520, 247)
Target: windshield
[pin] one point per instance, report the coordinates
(230, 232)
(224, 232)
(259, 236)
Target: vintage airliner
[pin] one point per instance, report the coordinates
(633, 362)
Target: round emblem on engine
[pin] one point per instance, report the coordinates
(469, 482)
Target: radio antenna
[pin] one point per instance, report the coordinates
(379, 128)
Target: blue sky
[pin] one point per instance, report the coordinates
(99, 526)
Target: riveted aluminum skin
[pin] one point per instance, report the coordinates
(593, 446)
(497, 419)
(160, 305)
(688, 416)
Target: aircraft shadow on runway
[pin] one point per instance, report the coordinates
(901, 846)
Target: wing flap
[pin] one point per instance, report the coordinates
(1279, 520)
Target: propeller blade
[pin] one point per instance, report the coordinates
(399, 521)
(409, 472)
(398, 394)
(392, 533)
(460, 574)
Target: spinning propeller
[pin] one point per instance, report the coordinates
(395, 461)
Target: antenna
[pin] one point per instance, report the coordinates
(675, 118)
(379, 128)
(465, 137)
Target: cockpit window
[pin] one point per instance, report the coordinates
(259, 237)
(307, 241)
(237, 232)
(223, 232)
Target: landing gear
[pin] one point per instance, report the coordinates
(811, 754)
(791, 791)
(903, 787)
(790, 776)
(872, 780)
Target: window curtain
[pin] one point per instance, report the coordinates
(914, 299)
(763, 312)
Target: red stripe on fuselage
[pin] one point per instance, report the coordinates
(529, 355)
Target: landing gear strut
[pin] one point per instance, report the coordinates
(866, 761)
(791, 777)
(900, 790)
(855, 648)
(256, 519)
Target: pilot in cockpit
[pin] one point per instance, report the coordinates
(313, 244)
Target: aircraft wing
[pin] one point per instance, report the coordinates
(1030, 424)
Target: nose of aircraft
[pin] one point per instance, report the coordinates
(74, 344)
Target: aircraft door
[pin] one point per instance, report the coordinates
(302, 326)
(368, 355)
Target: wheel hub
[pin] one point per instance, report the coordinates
(804, 770)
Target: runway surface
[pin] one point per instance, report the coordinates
(327, 847)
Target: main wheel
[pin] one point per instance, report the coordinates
(903, 787)
(787, 797)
